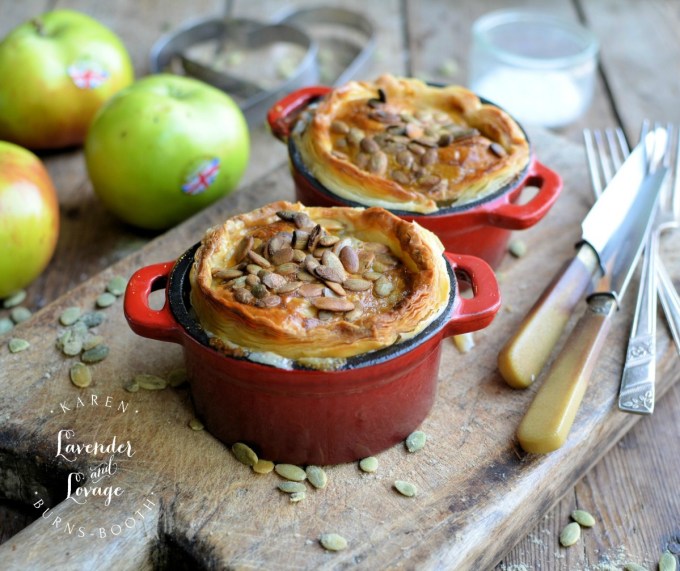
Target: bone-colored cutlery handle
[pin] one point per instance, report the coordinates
(550, 416)
(636, 393)
(525, 354)
(669, 301)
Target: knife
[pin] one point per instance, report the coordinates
(524, 355)
(550, 416)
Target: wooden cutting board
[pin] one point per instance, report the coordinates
(185, 501)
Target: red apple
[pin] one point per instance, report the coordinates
(29, 218)
(57, 70)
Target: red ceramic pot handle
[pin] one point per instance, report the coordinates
(520, 216)
(155, 324)
(471, 314)
(284, 112)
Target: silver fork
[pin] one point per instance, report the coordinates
(605, 153)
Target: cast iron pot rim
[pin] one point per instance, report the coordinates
(178, 288)
(300, 167)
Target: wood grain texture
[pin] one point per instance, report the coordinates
(471, 476)
(631, 491)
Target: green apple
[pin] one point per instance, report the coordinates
(29, 218)
(164, 148)
(57, 70)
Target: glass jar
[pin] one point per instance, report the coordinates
(539, 68)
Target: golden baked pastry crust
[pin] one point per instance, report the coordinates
(461, 149)
(293, 326)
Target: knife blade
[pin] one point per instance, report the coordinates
(524, 355)
(548, 420)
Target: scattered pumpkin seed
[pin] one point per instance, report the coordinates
(131, 386)
(517, 248)
(369, 464)
(92, 318)
(570, 534)
(71, 342)
(355, 314)
(335, 288)
(228, 274)
(105, 300)
(297, 496)
(316, 476)
(177, 377)
(80, 374)
(328, 240)
(243, 247)
(415, 441)
(196, 424)
(291, 487)
(668, 562)
(244, 454)
(6, 324)
(382, 287)
(329, 274)
(116, 285)
(291, 472)
(498, 150)
(70, 315)
(14, 299)
(242, 295)
(464, 342)
(333, 541)
(634, 567)
(583, 518)
(332, 304)
(92, 341)
(372, 276)
(259, 260)
(406, 488)
(150, 382)
(96, 354)
(20, 314)
(16, 345)
(263, 466)
(355, 284)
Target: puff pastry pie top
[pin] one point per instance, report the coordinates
(402, 144)
(286, 284)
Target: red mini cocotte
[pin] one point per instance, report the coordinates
(307, 416)
(480, 228)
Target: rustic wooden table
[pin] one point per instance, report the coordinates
(633, 489)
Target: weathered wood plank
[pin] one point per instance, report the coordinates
(640, 51)
(632, 489)
(440, 41)
(476, 490)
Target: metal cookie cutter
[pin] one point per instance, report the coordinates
(171, 52)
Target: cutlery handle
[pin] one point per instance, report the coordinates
(524, 355)
(670, 302)
(636, 393)
(548, 420)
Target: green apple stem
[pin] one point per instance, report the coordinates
(39, 26)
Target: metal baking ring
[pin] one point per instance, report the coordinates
(256, 105)
(340, 17)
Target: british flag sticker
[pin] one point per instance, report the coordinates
(201, 176)
(87, 74)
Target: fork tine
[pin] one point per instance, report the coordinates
(605, 165)
(614, 150)
(675, 196)
(623, 143)
(591, 157)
